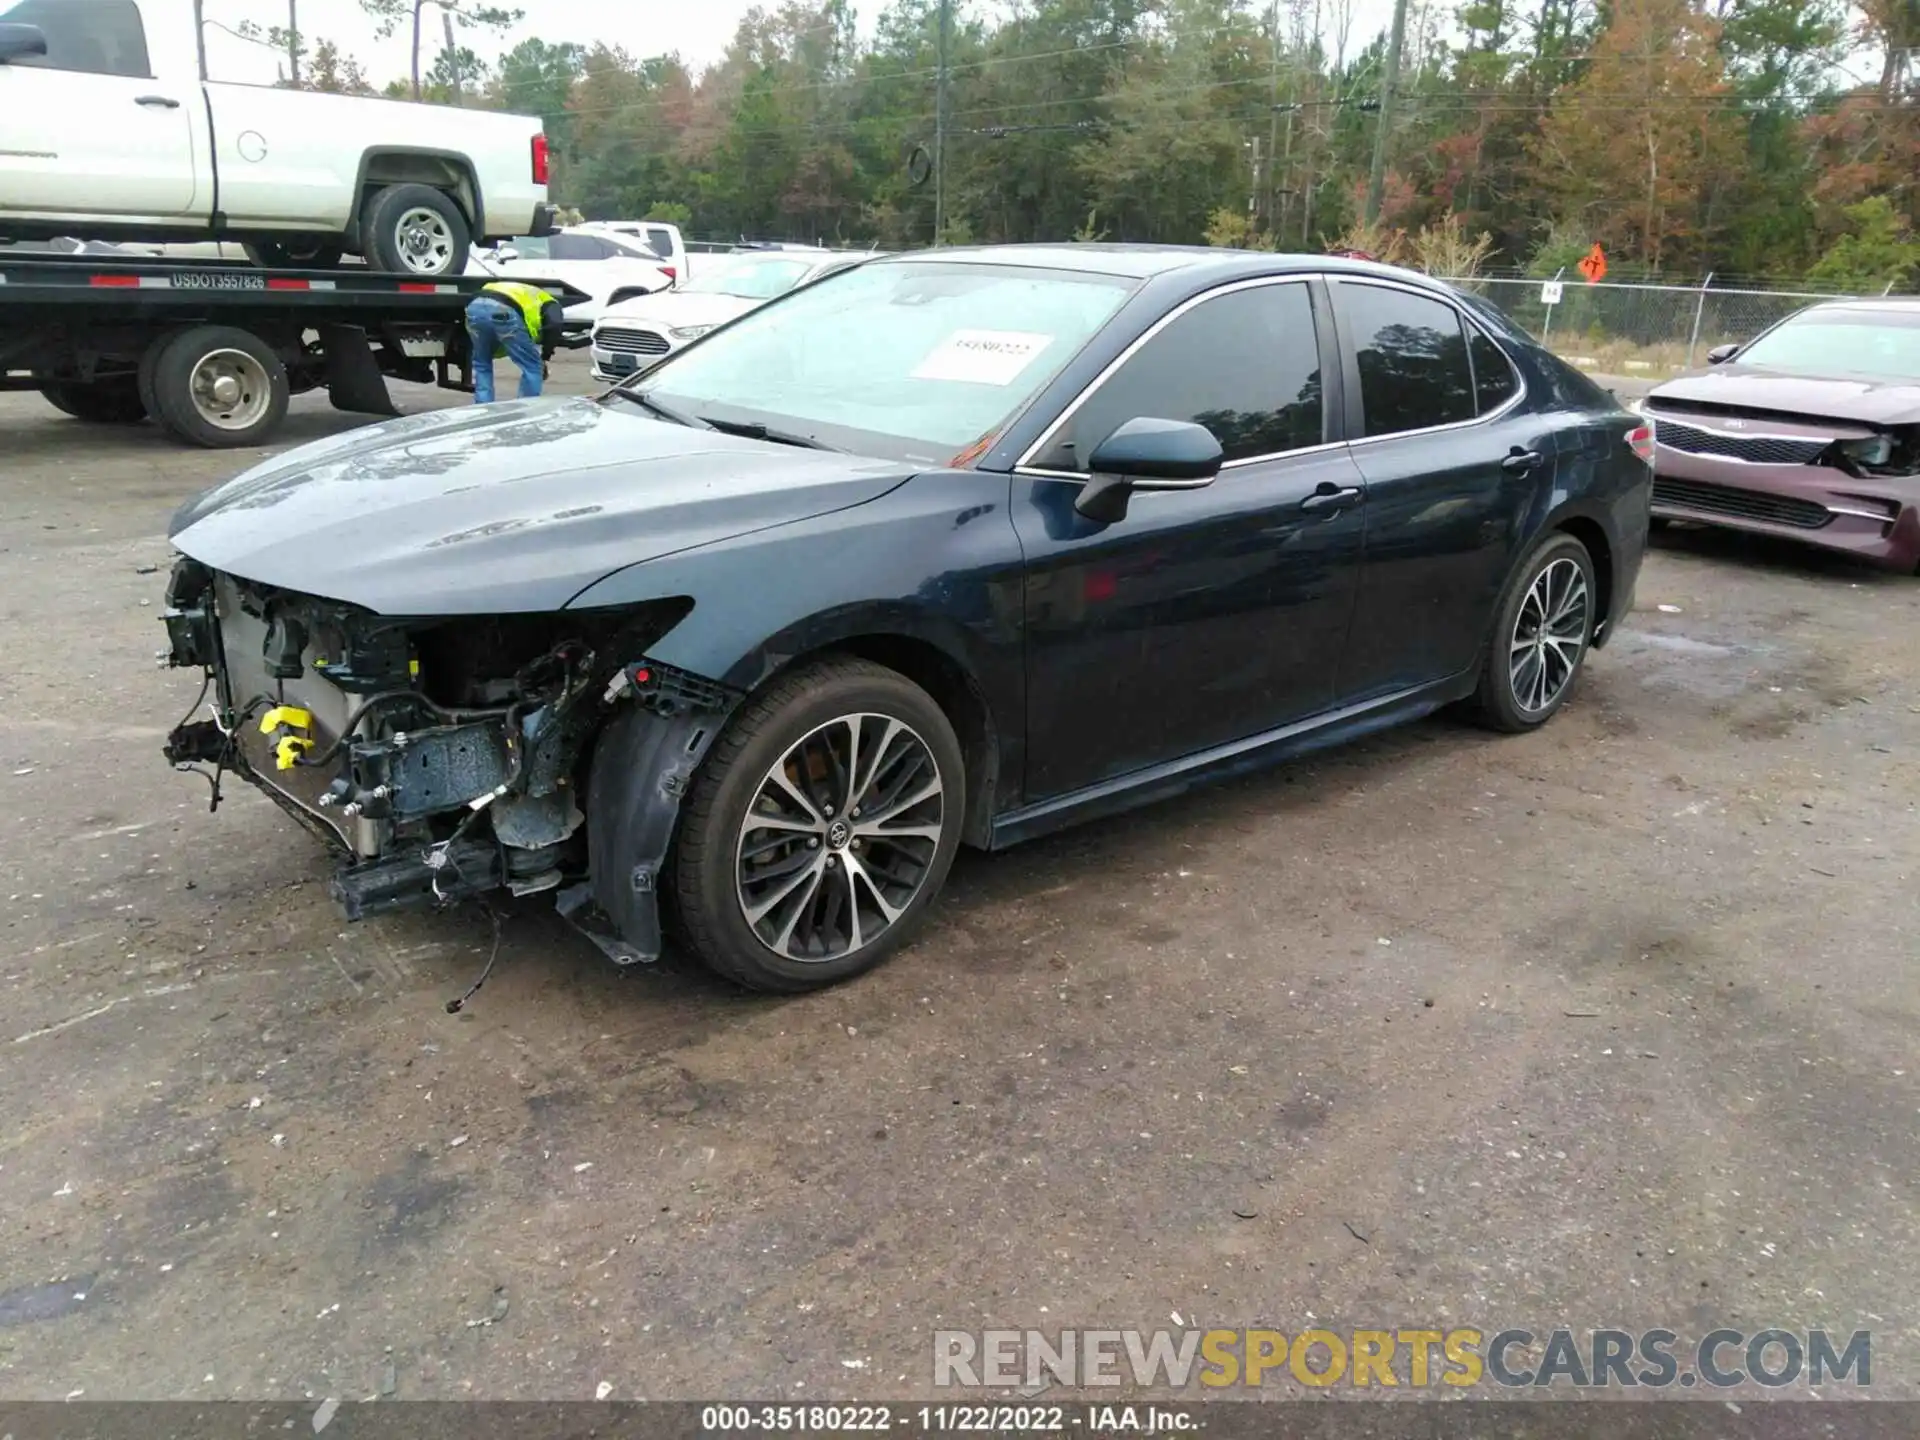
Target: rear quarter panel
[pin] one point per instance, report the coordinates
(1601, 490)
(291, 159)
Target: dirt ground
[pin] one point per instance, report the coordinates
(1608, 1025)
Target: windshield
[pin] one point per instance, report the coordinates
(1842, 342)
(917, 360)
(751, 279)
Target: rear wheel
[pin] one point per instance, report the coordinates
(1540, 637)
(415, 230)
(820, 829)
(114, 401)
(219, 387)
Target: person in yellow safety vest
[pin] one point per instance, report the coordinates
(511, 321)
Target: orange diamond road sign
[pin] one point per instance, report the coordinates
(1593, 265)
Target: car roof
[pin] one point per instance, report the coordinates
(1146, 262)
(1873, 305)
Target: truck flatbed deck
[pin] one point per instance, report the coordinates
(213, 350)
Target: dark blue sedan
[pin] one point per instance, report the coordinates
(953, 547)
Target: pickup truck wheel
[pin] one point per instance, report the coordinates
(415, 230)
(104, 402)
(219, 387)
(820, 828)
(294, 254)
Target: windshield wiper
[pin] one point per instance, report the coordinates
(665, 412)
(754, 430)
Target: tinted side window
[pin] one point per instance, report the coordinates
(1246, 365)
(578, 247)
(660, 242)
(98, 37)
(1413, 359)
(1494, 382)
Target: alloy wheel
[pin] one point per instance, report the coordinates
(1549, 635)
(839, 837)
(424, 241)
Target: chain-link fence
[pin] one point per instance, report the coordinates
(1637, 327)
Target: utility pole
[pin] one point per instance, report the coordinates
(940, 128)
(293, 42)
(1377, 179)
(1273, 108)
(200, 37)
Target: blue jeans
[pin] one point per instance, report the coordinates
(493, 324)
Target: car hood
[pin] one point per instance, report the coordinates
(679, 307)
(1864, 398)
(517, 506)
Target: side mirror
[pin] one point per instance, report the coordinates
(1720, 354)
(19, 42)
(1147, 454)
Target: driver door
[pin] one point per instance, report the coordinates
(85, 129)
(1203, 616)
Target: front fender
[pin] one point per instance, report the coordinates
(936, 560)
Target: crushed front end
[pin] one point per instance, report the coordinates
(442, 758)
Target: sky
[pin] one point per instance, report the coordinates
(699, 30)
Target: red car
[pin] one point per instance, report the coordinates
(1810, 431)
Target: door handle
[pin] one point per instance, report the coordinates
(1331, 497)
(165, 102)
(1519, 462)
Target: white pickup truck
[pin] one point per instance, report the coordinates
(108, 129)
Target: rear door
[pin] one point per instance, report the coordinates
(1453, 464)
(1204, 616)
(85, 130)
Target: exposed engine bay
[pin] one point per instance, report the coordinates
(441, 758)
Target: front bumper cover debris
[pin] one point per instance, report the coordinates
(325, 712)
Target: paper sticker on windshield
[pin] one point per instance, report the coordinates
(982, 357)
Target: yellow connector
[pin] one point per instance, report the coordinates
(287, 722)
(291, 716)
(286, 753)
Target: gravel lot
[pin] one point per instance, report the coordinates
(1609, 1025)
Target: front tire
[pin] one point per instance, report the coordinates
(820, 829)
(1540, 637)
(415, 230)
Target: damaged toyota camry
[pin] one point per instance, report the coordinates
(956, 547)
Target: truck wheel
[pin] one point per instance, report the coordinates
(294, 254)
(219, 387)
(415, 230)
(820, 828)
(104, 402)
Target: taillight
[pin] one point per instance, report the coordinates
(542, 160)
(1640, 441)
(673, 275)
